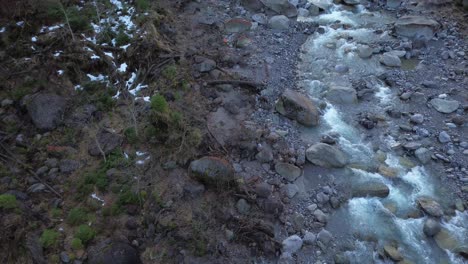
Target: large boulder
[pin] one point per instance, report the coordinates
(342, 95)
(431, 207)
(373, 188)
(283, 7)
(416, 26)
(298, 107)
(108, 252)
(444, 105)
(46, 110)
(212, 170)
(105, 142)
(390, 60)
(431, 227)
(280, 22)
(325, 155)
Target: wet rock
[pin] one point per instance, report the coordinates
(212, 170)
(106, 142)
(352, 2)
(341, 94)
(243, 206)
(323, 4)
(68, 166)
(391, 60)
(298, 107)
(377, 189)
(263, 189)
(387, 171)
(444, 105)
(423, 155)
(327, 139)
(392, 252)
(417, 118)
(309, 238)
(290, 190)
(446, 240)
(291, 245)
(412, 146)
(340, 68)
(283, 7)
(302, 12)
(413, 26)
(113, 252)
(431, 207)
(324, 155)
(444, 137)
(46, 110)
(280, 22)
(237, 25)
(365, 51)
(288, 171)
(431, 227)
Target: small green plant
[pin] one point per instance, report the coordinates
(8, 201)
(56, 212)
(128, 197)
(142, 5)
(85, 234)
(130, 135)
(49, 238)
(159, 103)
(77, 244)
(122, 39)
(170, 72)
(176, 118)
(112, 210)
(77, 216)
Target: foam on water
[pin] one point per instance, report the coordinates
(384, 94)
(417, 177)
(333, 119)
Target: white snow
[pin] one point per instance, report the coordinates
(33, 39)
(109, 54)
(117, 3)
(137, 89)
(60, 72)
(98, 78)
(123, 67)
(20, 23)
(56, 54)
(78, 87)
(95, 57)
(94, 196)
(140, 153)
(2, 29)
(125, 47)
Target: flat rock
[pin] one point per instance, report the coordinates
(323, 4)
(430, 206)
(288, 171)
(444, 105)
(341, 94)
(46, 110)
(325, 155)
(416, 26)
(373, 189)
(298, 107)
(392, 252)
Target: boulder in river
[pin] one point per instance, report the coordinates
(392, 252)
(325, 155)
(212, 170)
(283, 7)
(431, 227)
(416, 26)
(341, 94)
(323, 4)
(298, 107)
(372, 188)
(446, 240)
(430, 206)
(46, 110)
(444, 105)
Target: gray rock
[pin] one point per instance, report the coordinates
(64, 257)
(115, 252)
(243, 206)
(352, 2)
(291, 245)
(260, 18)
(444, 137)
(430, 206)
(431, 227)
(302, 12)
(51, 163)
(320, 216)
(46, 110)
(37, 187)
(365, 51)
(423, 155)
(390, 59)
(280, 22)
(324, 236)
(263, 189)
(417, 118)
(313, 10)
(106, 142)
(416, 26)
(237, 25)
(341, 94)
(42, 170)
(309, 238)
(265, 154)
(312, 207)
(340, 68)
(288, 171)
(283, 7)
(6, 102)
(324, 155)
(67, 166)
(298, 107)
(81, 115)
(444, 105)
(206, 65)
(372, 188)
(412, 146)
(290, 190)
(212, 170)
(323, 4)
(253, 5)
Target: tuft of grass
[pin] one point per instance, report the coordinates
(49, 238)
(128, 197)
(170, 72)
(56, 213)
(122, 39)
(159, 103)
(77, 216)
(85, 234)
(130, 135)
(77, 244)
(142, 5)
(8, 201)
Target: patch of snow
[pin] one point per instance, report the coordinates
(98, 78)
(95, 57)
(124, 47)
(94, 196)
(20, 23)
(116, 96)
(3, 29)
(130, 81)
(52, 28)
(32, 47)
(60, 72)
(78, 87)
(109, 54)
(140, 153)
(56, 54)
(126, 155)
(33, 39)
(123, 67)
(137, 89)
(127, 21)
(146, 99)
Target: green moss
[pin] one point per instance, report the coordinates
(77, 216)
(56, 212)
(85, 233)
(112, 210)
(130, 135)
(176, 117)
(128, 197)
(77, 244)
(142, 5)
(8, 201)
(159, 103)
(49, 238)
(122, 39)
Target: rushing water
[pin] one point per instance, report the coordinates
(371, 222)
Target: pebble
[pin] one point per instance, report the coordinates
(444, 137)
(417, 118)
